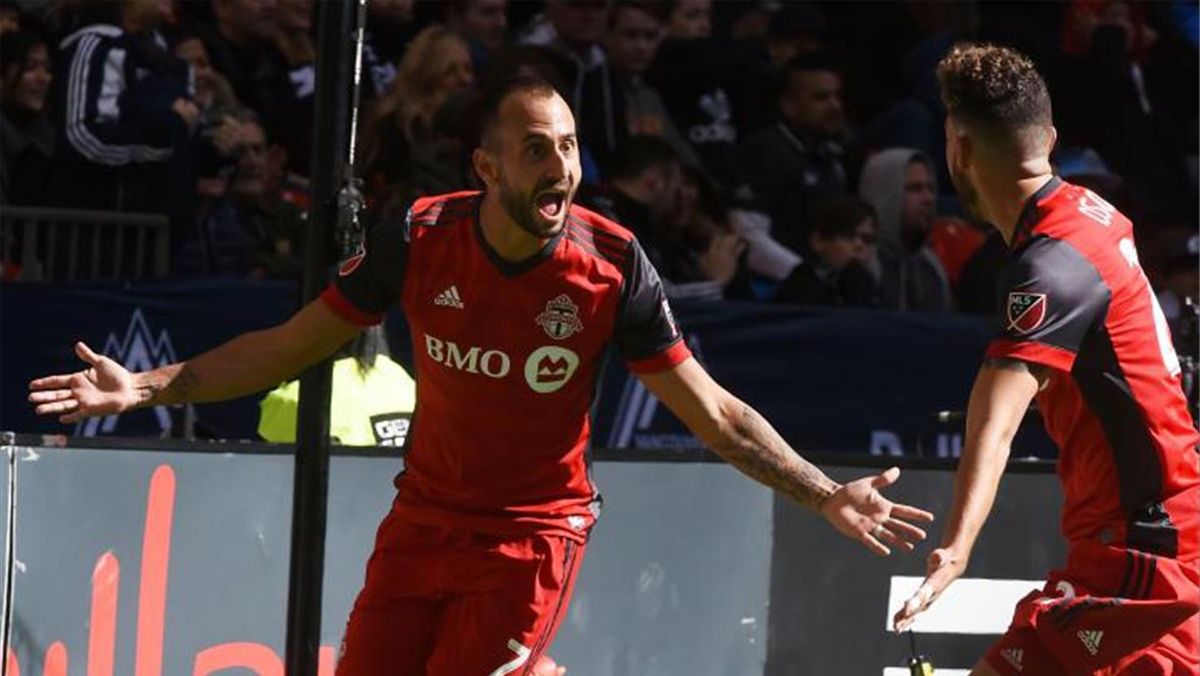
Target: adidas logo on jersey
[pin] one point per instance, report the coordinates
(1014, 656)
(449, 298)
(1091, 639)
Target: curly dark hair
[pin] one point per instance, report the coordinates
(994, 88)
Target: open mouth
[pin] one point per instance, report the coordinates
(550, 204)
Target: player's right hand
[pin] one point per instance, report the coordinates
(104, 388)
(945, 565)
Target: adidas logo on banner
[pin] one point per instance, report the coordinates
(1091, 639)
(449, 298)
(1014, 656)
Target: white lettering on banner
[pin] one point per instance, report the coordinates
(886, 442)
(491, 363)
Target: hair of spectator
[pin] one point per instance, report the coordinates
(15, 49)
(659, 11)
(495, 96)
(839, 216)
(366, 347)
(639, 154)
(997, 93)
(819, 61)
(414, 96)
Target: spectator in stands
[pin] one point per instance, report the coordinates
(484, 24)
(219, 135)
(646, 196)
(690, 19)
(635, 30)
(10, 17)
(249, 229)
(899, 184)
(123, 107)
(573, 30)
(413, 142)
(834, 269)
(798, 161)
(372, 395)
(26, 132)
(389, 30)
(265, 50)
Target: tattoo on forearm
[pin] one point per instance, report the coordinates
(169, 389)
(756, 449)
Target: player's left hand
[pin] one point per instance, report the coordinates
(860, 512)
(546, 666)
(945, 565)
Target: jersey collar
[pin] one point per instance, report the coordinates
(509, 268)
(1031, 213)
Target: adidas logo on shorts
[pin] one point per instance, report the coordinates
(1014, 657)
(449, 298)
(1091, 639)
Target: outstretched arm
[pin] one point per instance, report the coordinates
(741, 436)
(1002, 392)
(248, 363)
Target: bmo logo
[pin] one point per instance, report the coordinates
(491, 363)
(549, 368)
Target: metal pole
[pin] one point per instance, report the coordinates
(335, 26)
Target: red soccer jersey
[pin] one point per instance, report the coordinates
(507, 358)
(1075, 299)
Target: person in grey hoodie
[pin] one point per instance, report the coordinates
(900, 184)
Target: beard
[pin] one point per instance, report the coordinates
(968, 196)
(522, 208)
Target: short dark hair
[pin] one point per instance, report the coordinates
(839, 216)
(994, 89)
(496, 95)
(639, 154)
(818, 61)
(659, 11)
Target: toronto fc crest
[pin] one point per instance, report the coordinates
(1026, 311)
(560, 319)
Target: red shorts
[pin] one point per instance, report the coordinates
(445, 602)
(1111, 611)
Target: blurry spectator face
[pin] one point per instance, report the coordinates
(145, 14)
(10, 20)
(919, 196)
(294, 16)
(397, 11)
(868, 237)
(837, 251)
(532, 159)
(245, 17)
(632, 40)
(250, 181)
(691, 19)
(667, 186)
(192, 50)
(28, 83)
(579, 23)
(483, 21)
(457, 73)
(813, 103)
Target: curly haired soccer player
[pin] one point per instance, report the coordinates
(513, 295)
(1080, 330)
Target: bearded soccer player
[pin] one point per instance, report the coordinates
(513, 295)
(1081, 331)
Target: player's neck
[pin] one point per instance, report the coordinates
(1005, 202)
(510, 241)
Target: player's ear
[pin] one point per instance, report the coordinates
(485, 165)
(1051, 138)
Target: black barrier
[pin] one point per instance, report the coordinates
(841, 381)
(171, 558)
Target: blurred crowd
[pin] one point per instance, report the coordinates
(760, 150)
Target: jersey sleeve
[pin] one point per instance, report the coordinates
(370, 281)
(646, 333)
(1051, 297)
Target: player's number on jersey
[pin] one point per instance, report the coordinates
(515, 663)
(1162, 332)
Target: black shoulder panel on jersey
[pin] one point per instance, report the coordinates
(373, 283)
(1107, 393)
(597, 242)
(644, 325)
(1051, 294)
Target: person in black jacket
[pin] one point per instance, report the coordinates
(833, 271)
(26, 133)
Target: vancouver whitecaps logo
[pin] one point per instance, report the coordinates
(139, 350)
